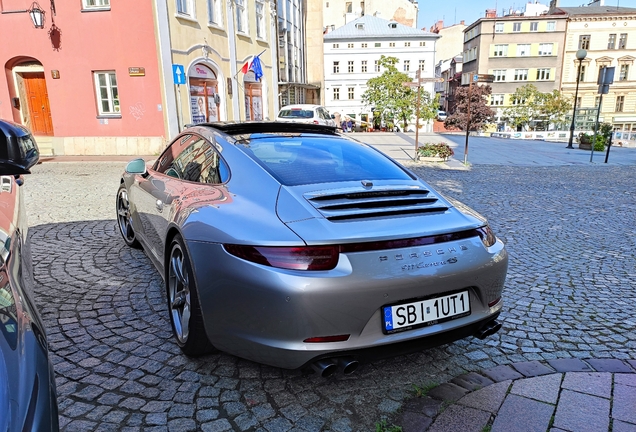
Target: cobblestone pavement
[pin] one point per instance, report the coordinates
(571, 293)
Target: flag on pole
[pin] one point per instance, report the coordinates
(256, 68)
(254, 64)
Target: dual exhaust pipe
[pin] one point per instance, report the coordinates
(490, 328)
(328, 367)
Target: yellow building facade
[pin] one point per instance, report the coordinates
(210, 52)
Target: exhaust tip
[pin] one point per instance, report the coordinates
(325, 368)
(348, 365)
(488, 329)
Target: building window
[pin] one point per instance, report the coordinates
(501, 50)
(422, 63)
(214, 14)
(335, 46)
(391, 44)
(523, 50)
(534, 26)
(363, 45)
(350, 45)
(497, 99)
(336, 93)
(622, 41)
(336, 67)
(422, 43)
(623, 72)
(363, 67)
(499, 27)
(500, 74)
(521, 74)
(376, 66)
(611, 42)
(260, 19)
(107, 95)
(407, 65)
(407, 44)
(620, 100)
(519, 101)
(543, 74)
(350, 92)
(597, 101)
(183, 7)
(349, 7)
(582, 73)
(516, 27)
(545, 49)
(579, 100)
(584, 42)
(96, 4)
(241, 16)
(350, 66)
(550, 26)
(378, 45)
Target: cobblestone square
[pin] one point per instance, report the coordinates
(570, 294)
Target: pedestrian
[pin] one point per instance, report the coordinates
(337, 118)
(349, 126)
(343, 125)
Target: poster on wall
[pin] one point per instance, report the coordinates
(204, 102)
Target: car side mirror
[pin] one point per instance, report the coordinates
(18, 149)
(136, 166)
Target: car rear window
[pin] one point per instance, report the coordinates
(303, 159)
(296, 113)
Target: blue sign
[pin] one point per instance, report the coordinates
(475, 78)
(178, 74)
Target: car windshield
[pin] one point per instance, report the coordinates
(296, 113)
(295, 160)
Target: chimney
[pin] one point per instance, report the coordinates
(462, 22)
(491, 13)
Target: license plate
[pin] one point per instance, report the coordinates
(421, 313)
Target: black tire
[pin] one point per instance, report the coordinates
(183, 302)
(124, 219)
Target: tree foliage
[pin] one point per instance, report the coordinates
(393, 101)
(480, 112)
(534, 107)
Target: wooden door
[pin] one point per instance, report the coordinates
(38, 102)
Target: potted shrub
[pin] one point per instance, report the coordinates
(585, 141)
(434, 152)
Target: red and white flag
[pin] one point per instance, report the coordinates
(246, 66)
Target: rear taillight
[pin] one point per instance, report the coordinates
(292, 258)
(488, 237)
(316, 122)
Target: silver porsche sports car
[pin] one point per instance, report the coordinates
(293, 246)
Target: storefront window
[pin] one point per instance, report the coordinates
(204, 98)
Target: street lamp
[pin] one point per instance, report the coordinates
(580, 55)
(37, 15)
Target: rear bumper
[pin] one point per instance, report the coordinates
(265, 314)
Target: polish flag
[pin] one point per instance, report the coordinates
(246, 66)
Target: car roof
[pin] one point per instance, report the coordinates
(302, 106)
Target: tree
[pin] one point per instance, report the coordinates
(532, 107)
(480, 113)
(392, 100)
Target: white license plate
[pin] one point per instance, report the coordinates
(408, 316)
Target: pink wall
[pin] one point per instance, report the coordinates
(117, 39)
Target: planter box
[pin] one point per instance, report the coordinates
(431, 159)
(585, 146)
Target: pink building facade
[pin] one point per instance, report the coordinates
(88, 83)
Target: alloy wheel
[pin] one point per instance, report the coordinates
(179, 301)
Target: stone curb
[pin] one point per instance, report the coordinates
(425, 413)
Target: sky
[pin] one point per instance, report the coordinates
(452, 12)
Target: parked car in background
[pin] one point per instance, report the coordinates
(441, 115)
(292, 245)
(305, 113)
(28, 399)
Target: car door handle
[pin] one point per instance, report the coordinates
(159, 205)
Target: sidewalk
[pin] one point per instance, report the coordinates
(554, 395)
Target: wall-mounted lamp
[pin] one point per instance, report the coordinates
(37, 15)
